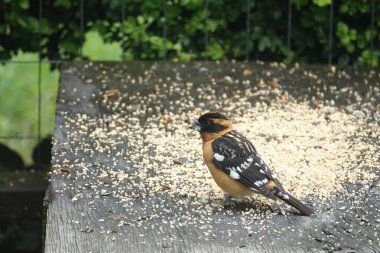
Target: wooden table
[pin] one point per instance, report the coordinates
(84, 214)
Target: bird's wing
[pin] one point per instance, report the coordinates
(237, 157)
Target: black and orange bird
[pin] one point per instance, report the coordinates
(235, 164)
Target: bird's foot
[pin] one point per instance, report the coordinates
(229, 201)
(278, 208)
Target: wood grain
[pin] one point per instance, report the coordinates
(150, 222)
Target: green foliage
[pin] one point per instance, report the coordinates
(322, 3)
(19, 93)
(346, 36)
(95, 49)
(19, 101)
(141, 33)
(19, 83)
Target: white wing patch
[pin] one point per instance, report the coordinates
(245, 165)
(234, 174)
(285, 196)
(234, 171)
(218, 157)
(261, 182)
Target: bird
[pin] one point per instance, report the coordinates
(235, 164)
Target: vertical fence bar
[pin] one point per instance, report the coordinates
(206, 29)
(39, 114)
(372, 31)
(248, 30)
(2, 19)
(1, 41)
(81, 14)
(122, 29)
(164, 29)
(289, 34)
(331, 31)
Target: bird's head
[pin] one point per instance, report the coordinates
(211, 125)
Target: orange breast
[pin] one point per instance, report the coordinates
(224, 181)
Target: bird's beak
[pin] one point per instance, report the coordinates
(195, 125)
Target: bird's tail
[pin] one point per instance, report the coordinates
(304, 209)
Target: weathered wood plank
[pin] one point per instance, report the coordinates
(86, 211)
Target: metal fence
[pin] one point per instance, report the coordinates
(164, 33)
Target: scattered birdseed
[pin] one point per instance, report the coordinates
(141, 152)
(311, 155)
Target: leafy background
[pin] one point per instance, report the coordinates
(139, 36)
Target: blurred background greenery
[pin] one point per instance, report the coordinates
(19, 93)
(141, 31)
(178, 30)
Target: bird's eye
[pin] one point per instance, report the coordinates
(208, 122)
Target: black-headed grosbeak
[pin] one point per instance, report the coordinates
(235, 164)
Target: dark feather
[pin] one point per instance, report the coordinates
(241, 156)
(294, 202)
(237, 156)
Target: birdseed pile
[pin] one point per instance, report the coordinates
(314, 150)
(141, 154)
(312, 155)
